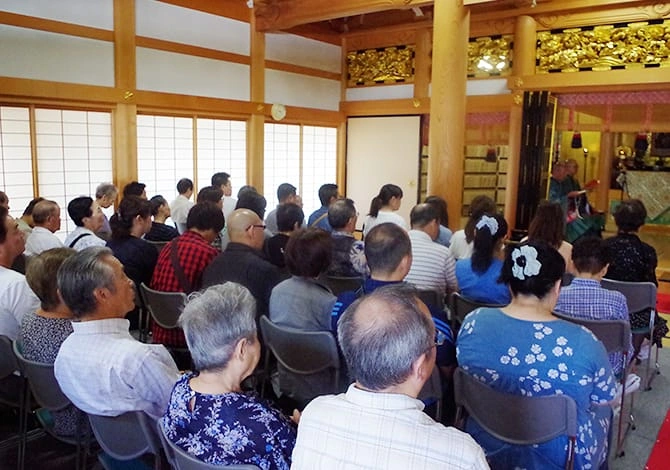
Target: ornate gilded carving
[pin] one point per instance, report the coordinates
(614, 15)
(387, 65)
(490, 56)
(604, 47)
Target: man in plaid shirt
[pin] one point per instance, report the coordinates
(194, 253)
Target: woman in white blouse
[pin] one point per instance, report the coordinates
(383, 208)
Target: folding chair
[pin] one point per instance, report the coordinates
(181, 460)
(616, 337)
(517, 419)
(12, 392)
(340, 284)
(302, 353)
(164, 308)
(640, 296)
(431, 297)
(158, 245)
(126, 437)
(460, 307)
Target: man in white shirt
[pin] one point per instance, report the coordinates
(388, 341)
(100, 367)
(88, 217)
(46, 220)
(16, 298)
(222, 180)
(179, 207)
(433, 267)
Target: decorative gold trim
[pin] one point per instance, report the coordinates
(490, 56)
(378, 66)
(635, 45)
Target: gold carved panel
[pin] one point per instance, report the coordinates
(606, 47)
(490, 56)
(382, 65)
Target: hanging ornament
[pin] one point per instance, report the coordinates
(576, 140)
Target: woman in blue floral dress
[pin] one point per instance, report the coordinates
(209, 416)
(523, 349)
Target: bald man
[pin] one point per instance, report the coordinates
(243, 261)
(46, 220)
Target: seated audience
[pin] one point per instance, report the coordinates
(288, 218)
(242, 261)
(478, 275)
(634, 261)
(548, 226)
(100, 367)
(194, 253)
(179, 207)
(285, 194)
(328, 193)
(523, 349)
(462, 241)
(44, 330)
(46, 221)
(16, 298)
(388, 342)
(87, 216)
(584, 298)
(135, 188)
(160, 231)
(389, 254)
(25, 222)
(129, 225)
(440, 205)
(348, 253)
(433, 267)
(383, 208)
(208, 415)
(105, 196)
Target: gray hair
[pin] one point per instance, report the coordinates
(106, 189)
(214, 320)
(340, 212)
(80, 275)
(382, 334)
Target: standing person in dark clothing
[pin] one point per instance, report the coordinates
(289, 218)
(160, 231)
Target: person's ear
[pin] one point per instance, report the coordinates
(240, 348)
(422, 367)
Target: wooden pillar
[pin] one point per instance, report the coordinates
(256, 132)
(447, 105)
(125, 114)
(341, 166)
(524, 65)
(604, 170)
(422, 63)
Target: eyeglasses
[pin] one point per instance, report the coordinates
(257, 226)
(440, 338)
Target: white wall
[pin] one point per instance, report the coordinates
(301, 90)
(94, 13)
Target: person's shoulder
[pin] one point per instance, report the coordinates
(10, 276)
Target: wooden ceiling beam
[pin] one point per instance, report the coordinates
(490, 12)
(276, 15)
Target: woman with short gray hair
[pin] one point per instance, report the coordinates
(209, 416)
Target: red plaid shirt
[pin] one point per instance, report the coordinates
(194, 253)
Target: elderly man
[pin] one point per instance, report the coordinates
(243, 262)
(88, 217)
(100, 367)
(16, 298)
(46, 221)
(105, 196)
(388, 342)
(194, 253)
(433, 266)
(286, 194)
(179, 207)
(348, 253)
(25, 222)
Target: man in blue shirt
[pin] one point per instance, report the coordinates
(319, 218)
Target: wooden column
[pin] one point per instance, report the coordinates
(447, 105)
(422, 63)
(341, 168)
(255, 132)
(604, 170)
(524, 65)
(125, 114)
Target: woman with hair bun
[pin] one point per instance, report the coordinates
(523, 349)
(478, 276)
(383, 208)
(160, 231)
(462, 242)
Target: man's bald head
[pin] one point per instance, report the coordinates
(244, 226)
(383, 333)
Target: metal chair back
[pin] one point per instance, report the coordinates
(340, 284)
(517, 419)
(127, 436)
(460, 307)
(164, 307)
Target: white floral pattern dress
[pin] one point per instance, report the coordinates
(228, 429)
(540, 358)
